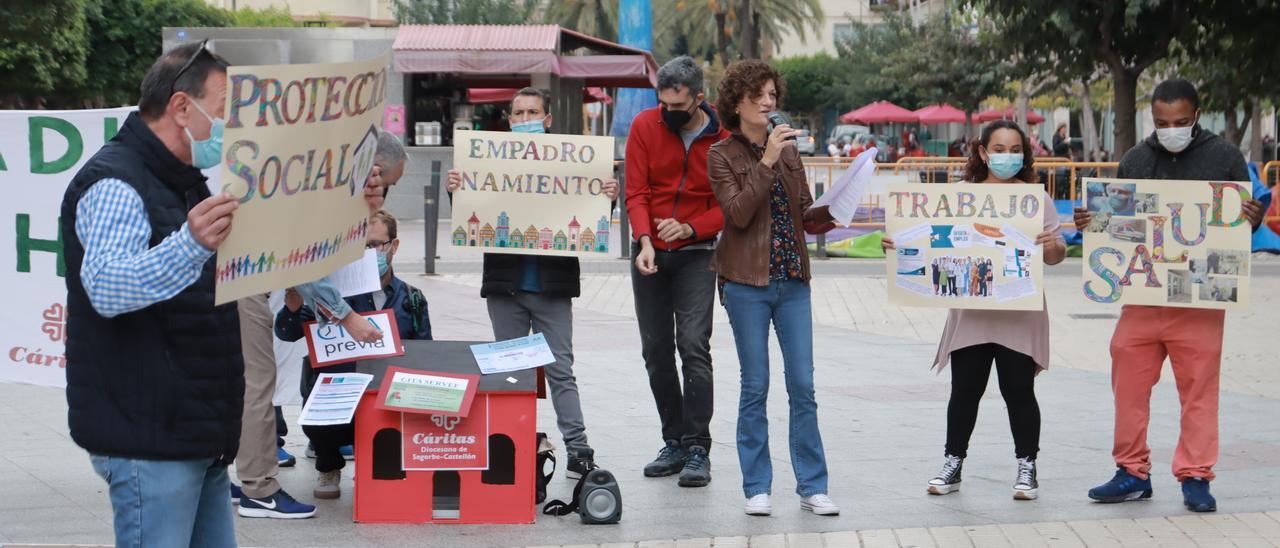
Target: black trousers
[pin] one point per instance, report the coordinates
(970, 370)
(327, 440)
(674, 311)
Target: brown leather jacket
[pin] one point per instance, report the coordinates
(743, 185)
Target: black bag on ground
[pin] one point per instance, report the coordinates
(541, 477)
(596, 498)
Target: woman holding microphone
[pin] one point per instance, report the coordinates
(763, 268)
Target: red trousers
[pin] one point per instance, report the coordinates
(1192, 340)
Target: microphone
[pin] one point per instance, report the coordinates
(776, 119)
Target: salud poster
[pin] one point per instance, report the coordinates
(298, 147)
(965, 245)
(1167, 243)
(532, 193)
(40, 151)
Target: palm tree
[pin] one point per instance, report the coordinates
(597, 18)
(715, 23)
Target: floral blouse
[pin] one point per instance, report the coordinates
(784, 251)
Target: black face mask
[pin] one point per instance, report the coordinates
(676, 119)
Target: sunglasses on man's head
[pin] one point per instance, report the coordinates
(204, 46)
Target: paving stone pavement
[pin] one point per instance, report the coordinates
(882, 415)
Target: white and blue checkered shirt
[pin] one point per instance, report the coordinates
(121, 272)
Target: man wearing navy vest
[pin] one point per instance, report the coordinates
(155, 377)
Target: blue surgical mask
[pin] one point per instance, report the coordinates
(1004, 165)
(532, 126)
(383, 265)
(207, 153)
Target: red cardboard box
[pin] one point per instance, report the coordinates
(502, 493)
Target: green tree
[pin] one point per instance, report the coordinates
(715, 25)
(809, 82)
(863, 71)
(266, 17)
(125, 40)
(950, 60)
(597, 18)
(43, 47)
(1230, 57)
(464, 12)
(1125, 36)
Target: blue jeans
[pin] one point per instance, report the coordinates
(750, 310)
(168, 502)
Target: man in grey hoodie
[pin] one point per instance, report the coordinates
(1190, 337)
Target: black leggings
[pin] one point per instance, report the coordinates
(970, 369)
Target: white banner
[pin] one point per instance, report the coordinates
(40, 151)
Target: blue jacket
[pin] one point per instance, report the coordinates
(408, 303)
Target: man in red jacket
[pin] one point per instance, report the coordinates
(675, 219)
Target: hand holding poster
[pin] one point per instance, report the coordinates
(531, 193)
(331, 344)
(1167, 243)
(299, 144)
(965, 246)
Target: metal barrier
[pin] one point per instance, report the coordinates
(1269, 169)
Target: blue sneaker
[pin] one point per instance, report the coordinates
(279, 506)
(236, 493)
(1195, 494)
(284, 459)
(1123, 487)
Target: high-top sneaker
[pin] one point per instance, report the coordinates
(947, 480)
(1024, 488)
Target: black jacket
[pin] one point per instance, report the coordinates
(1208, 158)
(558, 276)
(167, 381)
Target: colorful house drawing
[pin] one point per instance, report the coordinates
(574, 226)
(473, 226)
(560, 242)
(544, 238)
(502, 229)
(517, 239)
(588, 240)
(531, 237)
(486, 235)
(459, 236)
(602, 235)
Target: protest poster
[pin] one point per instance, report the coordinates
(535, 194)
(966, 245)
(331, 344)
(1167, 243)
(442, 442)
(40, 151)
(297, 149)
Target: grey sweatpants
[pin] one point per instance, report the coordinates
(525, 313)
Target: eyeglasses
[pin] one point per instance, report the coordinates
(204, 46)
(375, 244)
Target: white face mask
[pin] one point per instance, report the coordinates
(1175, 139)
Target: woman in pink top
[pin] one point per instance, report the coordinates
(1017, 341)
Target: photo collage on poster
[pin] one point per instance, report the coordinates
(1165, 243)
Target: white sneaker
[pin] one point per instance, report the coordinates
(759, 505)
(820, 504)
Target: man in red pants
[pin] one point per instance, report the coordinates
(1190, 338)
